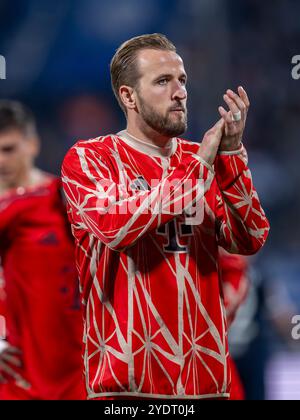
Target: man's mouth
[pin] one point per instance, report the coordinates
(4, 173)
(177, 110)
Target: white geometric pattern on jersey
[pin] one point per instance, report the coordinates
(182, 275)
(139, 288)
(148, 347)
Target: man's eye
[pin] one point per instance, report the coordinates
(163, 81)
(8, 149)
(183, 82)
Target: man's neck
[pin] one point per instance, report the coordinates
(148, 135)
(148, 148)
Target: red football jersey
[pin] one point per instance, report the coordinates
(155, 324)
(2, 306)
(42, 309)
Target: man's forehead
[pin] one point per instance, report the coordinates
(154, 60)
(11, 136)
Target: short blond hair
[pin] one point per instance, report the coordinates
(123, 66)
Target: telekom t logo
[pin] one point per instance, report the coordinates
(2, 67)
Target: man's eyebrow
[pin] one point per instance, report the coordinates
(170, 76)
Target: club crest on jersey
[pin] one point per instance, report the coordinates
(140, 184)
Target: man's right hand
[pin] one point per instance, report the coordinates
(211, 142)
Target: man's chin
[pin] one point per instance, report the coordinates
(175, 131)
(7, 180)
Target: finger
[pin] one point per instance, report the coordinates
(237, 100)
(231, 104)
(226, 116)
(217, 129)
(219, 124)
(244, 96)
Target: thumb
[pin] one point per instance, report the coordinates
(219, 127)
(211, 142)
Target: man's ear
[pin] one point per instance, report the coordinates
(127, 96)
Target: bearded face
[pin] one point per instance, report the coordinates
(172, 122)
(161, 93)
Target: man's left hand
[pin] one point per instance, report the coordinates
(235, 119)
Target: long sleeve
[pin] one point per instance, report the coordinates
(2, 296)
(100, 201)
(242, 224)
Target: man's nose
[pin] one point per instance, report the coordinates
(2, 160)
(180, 92)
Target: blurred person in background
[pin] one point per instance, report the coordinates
(235, 285)
(249, 340)
(40, 299)
(154, 320)
(2, 308)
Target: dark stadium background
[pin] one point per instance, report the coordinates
(57, 56)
